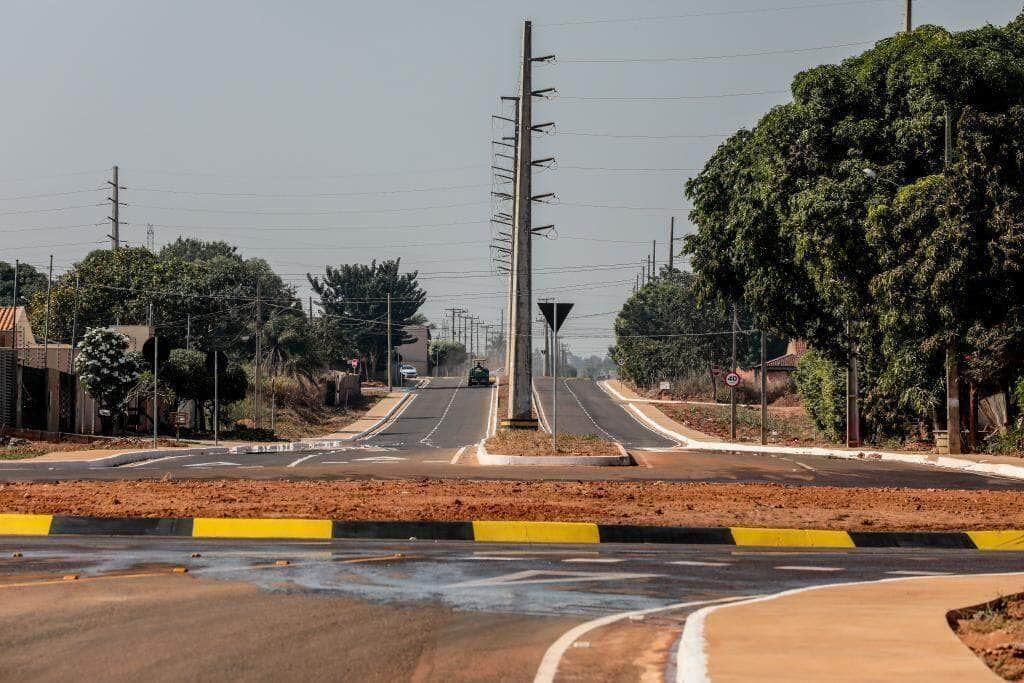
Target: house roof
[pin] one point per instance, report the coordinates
(787, 361)
(7, 316)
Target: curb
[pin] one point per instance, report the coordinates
(943, 462)
(501, 532)
(138, 456)
(484, 457)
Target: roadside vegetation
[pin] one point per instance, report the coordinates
(835, 220)
(995, 632)
(536, 442)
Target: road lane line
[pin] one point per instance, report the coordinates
(587, 412)
(141, 463)
(594, 560)
(552, 658)
(303, 459)
(458, 454)
(799, 568)
(426, 440)
(699, 563)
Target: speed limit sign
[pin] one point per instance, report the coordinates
(732, 379)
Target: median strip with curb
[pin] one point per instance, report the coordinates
(497, 531)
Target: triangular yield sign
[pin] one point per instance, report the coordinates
(555, 317)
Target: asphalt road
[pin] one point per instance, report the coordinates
(368, 611)
(434, 436)
(584, 408)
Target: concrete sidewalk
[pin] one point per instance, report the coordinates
(373, 416)
(876, 631)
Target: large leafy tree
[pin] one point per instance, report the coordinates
(30, 281)
(915, 258)
(665, 331)
(354, 296)
(187, 374)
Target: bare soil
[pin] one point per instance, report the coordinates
(654, 503)
(995, 632)
(535, 442)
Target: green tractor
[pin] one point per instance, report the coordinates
(479, 376)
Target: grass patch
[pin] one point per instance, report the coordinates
(536, 442)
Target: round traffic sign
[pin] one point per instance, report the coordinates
(732, 379)
(621, 361)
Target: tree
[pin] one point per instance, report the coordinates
(108, 371)
(913, 257)
(448, 354)
(187, 374)
(30, 281)
(355, 296)
(289, 346)
(665, 331)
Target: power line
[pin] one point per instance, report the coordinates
(318, 227)
(691, 136)
(717, 13)
(310, 195)
(309, 177)
(49, 194)
(708, 58)
(52, 175)
(668, 98)
(279, 212)
(50, 210)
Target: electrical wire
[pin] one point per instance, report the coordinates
(278, 212)
(311, 195)
(670, 98)
(715, 13)
(710, 58)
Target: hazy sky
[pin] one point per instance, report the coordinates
(349, 101)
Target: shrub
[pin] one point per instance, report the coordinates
(822, 388)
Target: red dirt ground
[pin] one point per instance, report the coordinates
(995, 632)
(655, 503)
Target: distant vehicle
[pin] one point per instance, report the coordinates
(407, 371)
(479, 376)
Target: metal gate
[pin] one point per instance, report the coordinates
(8, 389)
(33, 398)
(68, 391)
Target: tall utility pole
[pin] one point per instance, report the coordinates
(521, 342)
(257, 415)
(732, 390)
(390, 386)
(671, 243)
(14, 317)
(910, 16)
(952, 369)
(115, 214)
(764, 389)
(852, 391)
(654, 257)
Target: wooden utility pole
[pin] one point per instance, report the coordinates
(390, 385)
(257, 415)
(732, 390)
(909, 14)
(115, 215)
(520, 378)
(671, 243)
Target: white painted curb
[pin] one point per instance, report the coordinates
(138, 456)
(486, 458)
(941, 462)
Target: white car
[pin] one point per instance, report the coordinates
(407, 371)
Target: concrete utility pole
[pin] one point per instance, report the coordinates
(732, 390)
(257, 416)
(390, 386)
(764, 389)
(14, 317)
(910, 16)
(671, 243)
(521, 339)
(952, 367)
(852, 391)
(654, 258)
(115, 215)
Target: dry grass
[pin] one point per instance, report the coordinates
(530, 442)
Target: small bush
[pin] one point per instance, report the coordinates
(822, 388)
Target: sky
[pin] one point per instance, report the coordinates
(311, 133)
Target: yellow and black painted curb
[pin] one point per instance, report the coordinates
(501, 532)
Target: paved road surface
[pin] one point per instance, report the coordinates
(345, 610)
(435, 435)
(583, 408)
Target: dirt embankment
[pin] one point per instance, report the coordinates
(654, 503)
(995, 632)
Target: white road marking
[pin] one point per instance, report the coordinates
(334, 462)
(699, 563)
(444, 461)
(587, 412)
(537, 576)
(798, 568)
(552, 658)
(303, 459)
(426, 440)
(213, 464)
(381, 458)
(494, 557)
(594, 560)
(458, 454)
(142, 463)
(907, 572)
(806, 467)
